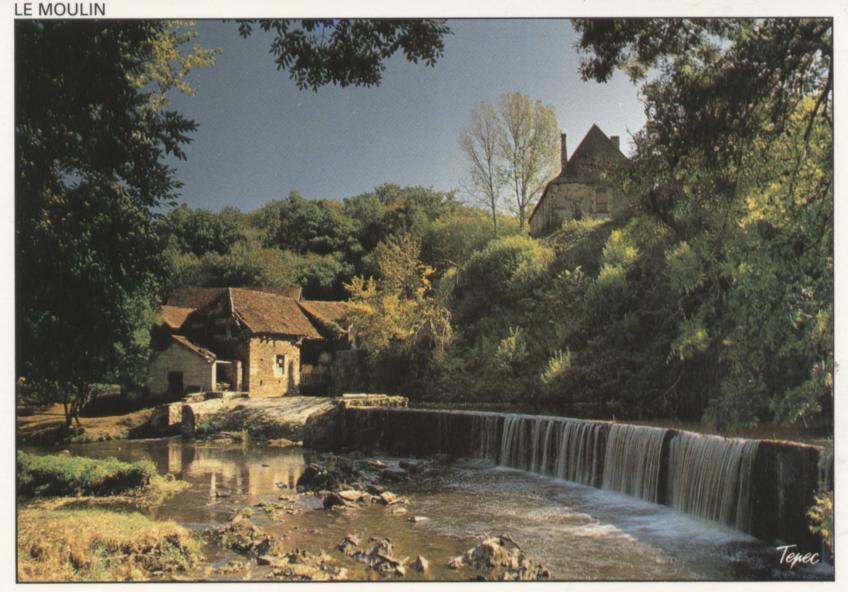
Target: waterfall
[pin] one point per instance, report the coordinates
(560, 447)
(759, 487)
(710, 477)
(579, 452)
(706, 476)
(485, 436)
(633, 460)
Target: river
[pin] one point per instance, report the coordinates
(579, 532)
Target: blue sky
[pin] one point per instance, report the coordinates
(260, 137)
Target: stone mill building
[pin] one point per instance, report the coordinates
(264, 341)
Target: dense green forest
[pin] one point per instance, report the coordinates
(712, 298)
(600, 318)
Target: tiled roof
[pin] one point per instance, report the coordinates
(193, 347)
(295, 292)
(263, 312)
(173, 316)
(328, 311)
(196, 296)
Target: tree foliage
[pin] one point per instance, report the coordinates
(318, 244)
(395, 317)
(515, 146)
(482, 143)
(91, 134)
(530, 147)
(203, 231)
(316, 52)
(735, 162)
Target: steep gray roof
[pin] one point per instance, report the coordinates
(595, 155)
(589, 163)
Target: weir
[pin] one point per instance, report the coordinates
(760, 487)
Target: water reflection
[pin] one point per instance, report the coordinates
(580, 532)
(222, 476)
(236, 471)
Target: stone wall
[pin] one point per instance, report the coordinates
(264, 378)
(784, 474)
(785, 479)
(198, 372)
(562, 201)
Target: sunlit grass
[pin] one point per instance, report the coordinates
(100, 545)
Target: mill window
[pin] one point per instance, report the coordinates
(280, 366)
(601, 206)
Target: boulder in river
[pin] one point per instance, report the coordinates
(421, 564)
(301, 565)
(502, 559)
(375, 489)
(350, 545)
(332, 500)
(378, 557)
(241, 568)
(388, 498)
(243, 536)
(353, 495)
(315, 477)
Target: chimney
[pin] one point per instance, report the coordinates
(615, 140)
(563, 157)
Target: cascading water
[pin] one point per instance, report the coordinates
(710, 477)
(485, 434)
(560, 447)
(633, 460)
(707, 476)
(579, 455)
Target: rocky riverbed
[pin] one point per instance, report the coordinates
(265, 512)
(349, 484)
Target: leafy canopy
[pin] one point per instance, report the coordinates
(317, 52)
(91, 134)
(736, 163)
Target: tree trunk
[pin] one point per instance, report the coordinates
(68, 416)
(79, 401)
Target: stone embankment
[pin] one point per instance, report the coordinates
(206, 414)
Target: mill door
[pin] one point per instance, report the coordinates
(175, 383)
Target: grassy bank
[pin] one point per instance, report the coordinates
(100, 545)
(77, 476)
(50, 476)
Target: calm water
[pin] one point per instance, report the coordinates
(579, 532)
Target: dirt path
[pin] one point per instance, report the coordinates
(46, 427)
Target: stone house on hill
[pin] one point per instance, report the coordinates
(265, 342)
(582, 189)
